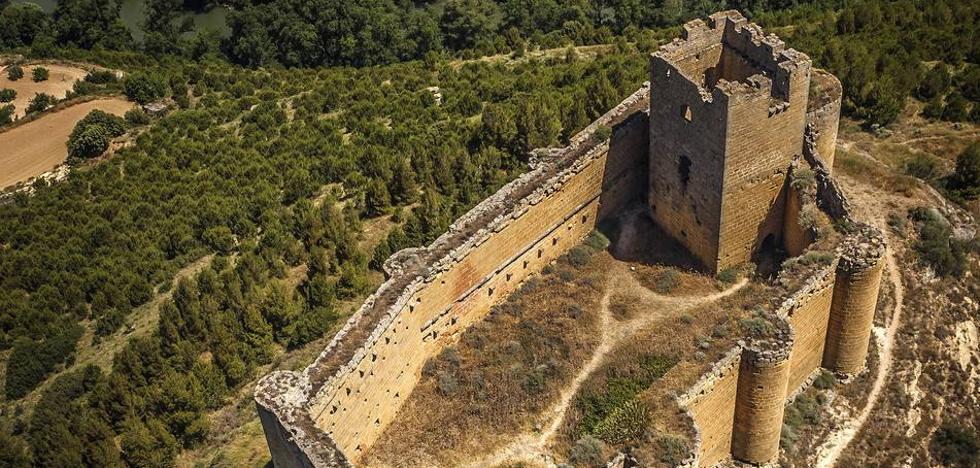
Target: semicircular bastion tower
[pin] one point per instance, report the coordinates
(711, 145)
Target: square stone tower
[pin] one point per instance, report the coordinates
(727, 115)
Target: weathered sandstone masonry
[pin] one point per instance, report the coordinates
(337, 407)
(728, 106)
(710, 144)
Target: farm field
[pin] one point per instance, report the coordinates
(62, 79)
(35, 147)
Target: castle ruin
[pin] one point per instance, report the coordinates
(711, 145)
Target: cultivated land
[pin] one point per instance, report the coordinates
(60, 80)
(36, 147)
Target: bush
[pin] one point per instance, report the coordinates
(40, 102)
(728, 275)
(923, 167)
(954, 445)
(40, 74)
(579, 256)
(92, 134)
(137, 116)
(15, 73)
(673, 450)
(602, 134)
(936, 247)
(101, 77)
(144, 87)
(625, 423)
(587, 452)
(88, 142)
(965, 180)
(7, 95)
(597, 240)
(6, 114)
(667, 281)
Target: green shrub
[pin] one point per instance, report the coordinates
(92, 134)
(728, 275)
(923, 167)
(89, 142)
(672, 450)
(954, 445)
(144, 87)
(587, 453)
(602, 134)
(757, 326)
(579, 256)
(936, 246)
(965, 180)
(137, 116)
(6, 114)
(7, 95)
(40, 103)
(15, 72)
(597, 240)
(626, 422)
(40, 74)
(101, 77)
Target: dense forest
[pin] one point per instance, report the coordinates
(307, 121)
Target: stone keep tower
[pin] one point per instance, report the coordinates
(727, 114)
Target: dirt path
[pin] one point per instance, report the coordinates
(533, 447)
(835, 443)
(39, 146)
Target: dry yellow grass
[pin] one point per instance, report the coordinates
(60, 80)
(39, 146)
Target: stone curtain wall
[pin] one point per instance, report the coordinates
(337, 407)
(823, 113)
(711, 403)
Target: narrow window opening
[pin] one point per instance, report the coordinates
(540, 252)
(361, 373)
(585, 218)
(554, 241)
(509, 275)
(525, 264)
(348, 391)
(489, 291)
(684, 171)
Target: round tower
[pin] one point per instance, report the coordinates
(852, 310)
(823, 113)
(760, 399)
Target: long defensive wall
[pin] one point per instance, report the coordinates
(329, 413)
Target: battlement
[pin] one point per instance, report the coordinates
(730, 49)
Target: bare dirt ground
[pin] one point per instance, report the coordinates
(60, 80)
(36, 147)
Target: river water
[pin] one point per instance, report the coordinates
(133, 10)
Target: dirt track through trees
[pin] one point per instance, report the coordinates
(534, 446)
(36, 147)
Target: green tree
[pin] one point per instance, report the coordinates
(965, 180)
(466, 22)
(376, 199)
(956, 108)
(13, 451)
(40, 74)
(40, 102)
(20, 24)
(7, 95)
(936, 82)
(148, 444)
(6, 114)
(90, 142)
(87, 23)
(15, 72)
(144, 88)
